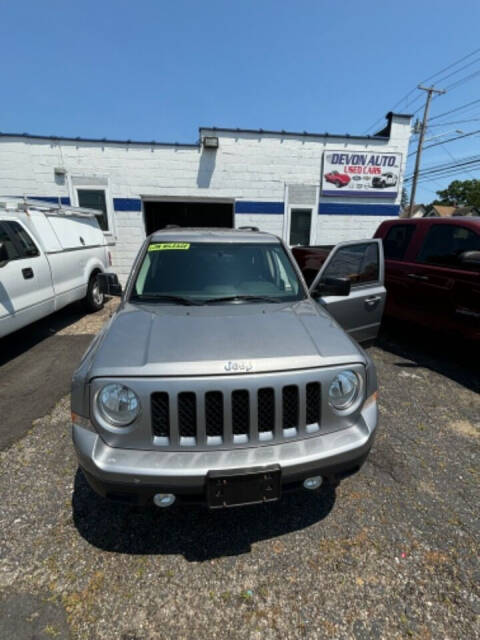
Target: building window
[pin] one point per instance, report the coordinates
(94, 199)
(300, 226)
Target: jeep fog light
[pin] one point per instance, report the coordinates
(315, 482)
(343, 390)
(163, 499)
(118, 404)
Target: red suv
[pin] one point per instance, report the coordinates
(432, 272)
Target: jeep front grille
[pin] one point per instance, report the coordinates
(217, 418)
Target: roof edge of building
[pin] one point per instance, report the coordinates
(390, 114)
(155, 143)
(144, 143)
(283, 132)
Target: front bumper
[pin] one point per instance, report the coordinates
(136, 475)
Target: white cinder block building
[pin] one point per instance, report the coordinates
(307, 188)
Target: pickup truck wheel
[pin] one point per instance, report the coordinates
(94, 299)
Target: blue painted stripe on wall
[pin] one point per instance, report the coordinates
(127, 204)
(247, 206)
(359, 194)
(337, 209)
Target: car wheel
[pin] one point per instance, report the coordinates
(338, 183)
(94, 299)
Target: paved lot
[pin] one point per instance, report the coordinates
(392, 553)
(36, 366)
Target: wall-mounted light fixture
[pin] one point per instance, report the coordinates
(210, 142)
(59, 171)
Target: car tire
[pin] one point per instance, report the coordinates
(94, 299)
(338, 184)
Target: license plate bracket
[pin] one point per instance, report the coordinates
(236, 488)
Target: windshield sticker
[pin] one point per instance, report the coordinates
(164, 246)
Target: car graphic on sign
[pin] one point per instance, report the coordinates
(337, 178)
(385, 180)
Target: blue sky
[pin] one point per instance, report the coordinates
(159, 69)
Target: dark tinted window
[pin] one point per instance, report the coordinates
(23, 241)
(396, 242)
(300, 226)
(202, 271)
(9, 250)
(359, 262)
(94, 199)
(444, 244)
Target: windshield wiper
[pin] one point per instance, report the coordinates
(160, 297)
(241, 298)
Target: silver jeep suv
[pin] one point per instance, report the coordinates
(222, 379)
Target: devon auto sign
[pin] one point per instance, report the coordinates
(360, 174)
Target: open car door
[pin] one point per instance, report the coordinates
(362, 263)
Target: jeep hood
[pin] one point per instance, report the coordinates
(164, 340)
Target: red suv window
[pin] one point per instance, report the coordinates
(444, 244)
(395, 243)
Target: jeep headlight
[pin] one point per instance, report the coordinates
(344, 390)
(118, 404)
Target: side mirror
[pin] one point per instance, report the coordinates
(332, 287)
(471, 258)
(109, 285)
(3, 255)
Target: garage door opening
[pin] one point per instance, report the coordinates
(187, 214)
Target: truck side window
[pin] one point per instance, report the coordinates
(358, 262)
(396, 242)
(444, 243)
(9, 251)
(23, 241)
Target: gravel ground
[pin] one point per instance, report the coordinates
(392, 553)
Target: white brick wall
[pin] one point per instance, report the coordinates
(270, 223)
(246, 166)
(334, 229)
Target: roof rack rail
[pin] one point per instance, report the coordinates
(21, 204)
(249, 228)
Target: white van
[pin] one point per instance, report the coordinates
(49, 257)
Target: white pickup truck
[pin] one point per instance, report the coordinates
(49, 257)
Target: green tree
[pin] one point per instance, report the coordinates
(463, 193)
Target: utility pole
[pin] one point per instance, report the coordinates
(430, 91)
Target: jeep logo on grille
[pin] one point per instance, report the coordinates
(238, 366)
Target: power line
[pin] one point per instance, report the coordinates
(435, 144)
(447, 151)
(448, 67)
(462, 80)
(464, 106)
(447, 176)
(445, 124)
(446, 169)
(449, 75)
(453, 64)
(446, 166)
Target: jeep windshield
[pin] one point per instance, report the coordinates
(189, 273)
